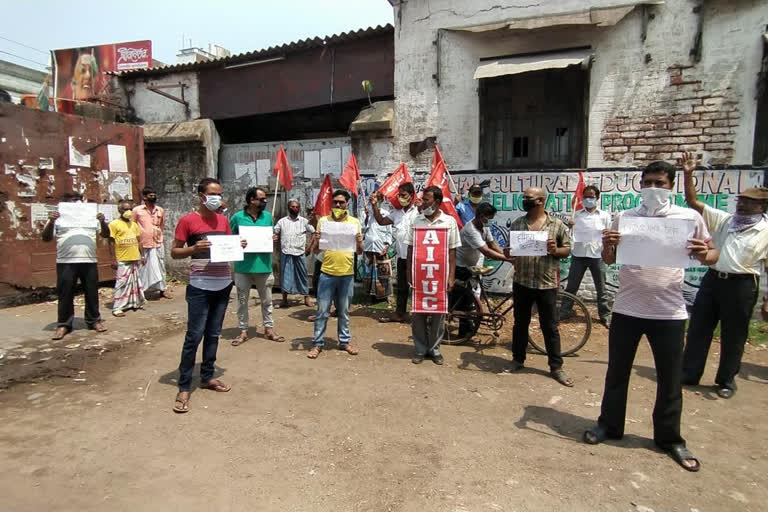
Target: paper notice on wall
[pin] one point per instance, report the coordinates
(311, 164)
(39, 212)
(330, 161)
(528, 243)
(245, 169)
(76, 157)
(110, 212)
(77, 215)
(654, 242)
(118, 161)
(120, 188)
(27, 185)
(262, 171)
(46, 163)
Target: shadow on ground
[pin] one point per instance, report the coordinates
(172, 378)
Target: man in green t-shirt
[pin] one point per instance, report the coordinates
(255, 269)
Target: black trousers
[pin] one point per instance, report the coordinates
(458, 299)
(67, 275)
(546, 303)
(316, 276)
(402, 286)
(666, 340)
(596, 267)
(730, 302)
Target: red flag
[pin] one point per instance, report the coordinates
(576, 203)
(430, 270)
(439, 178)
(389, 188)
(283, 169)
(324, 197)
(350, 175)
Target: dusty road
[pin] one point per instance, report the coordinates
(367, 433)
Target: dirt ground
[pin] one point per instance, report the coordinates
(366, 433)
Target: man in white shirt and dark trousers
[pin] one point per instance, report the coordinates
(650, 302)
(586, 255)
(729, 291)
(477, 243)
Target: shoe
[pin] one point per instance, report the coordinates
(514, 366)
(417, 359)
(725, 392)
(438, 359)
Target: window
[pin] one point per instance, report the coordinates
(533, 120)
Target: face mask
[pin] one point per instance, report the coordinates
(529, 204)
(403, 201)
(429, 211)
(338, 212)
(151, 200)
(293, 212)
(654, 198)
(742, 222)
(127, 215)
(261, 204)
(212, 202)
(589, 202)
(475, 199)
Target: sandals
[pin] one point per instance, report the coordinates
(215, 385)
(240, 339)
(314, 352)
(118, 313)
(98, 327)
(560, 376)
(274, 337)
(349, 349)
(60, 333)
(181, 405)
(681, 454)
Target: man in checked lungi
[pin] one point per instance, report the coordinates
(151, 219)
(291, 231)
(124, 245)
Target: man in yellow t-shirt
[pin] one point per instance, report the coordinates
(337, 275)
(124, 245)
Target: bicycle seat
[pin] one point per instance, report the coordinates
(480, 271)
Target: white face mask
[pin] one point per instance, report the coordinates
(213, 202)
(655, 198)
(589, 202)
(428, 212)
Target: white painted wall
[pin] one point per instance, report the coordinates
(154, 108)
(621, 83)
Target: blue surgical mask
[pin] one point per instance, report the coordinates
(213, 202)
(589, 202)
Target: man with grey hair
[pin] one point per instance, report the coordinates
(291, 232)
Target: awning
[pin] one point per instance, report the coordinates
(523, 64)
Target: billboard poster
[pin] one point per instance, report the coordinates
(80, 73)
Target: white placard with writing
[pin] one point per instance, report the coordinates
(39, 212)
(110, 212)
(338, 236)
(77, 215)
(225, 248)
(528, 243)
(118, 161)
(587, 229)
(259, 238)
(654, 241)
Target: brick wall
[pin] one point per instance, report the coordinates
(685, 117)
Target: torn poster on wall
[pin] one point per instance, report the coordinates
(120, 188)
(39, 212)
(76, 157)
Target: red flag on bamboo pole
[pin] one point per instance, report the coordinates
(439, 178)
(283, 169)
(324, 198)
(350, 176)
(576, 203)
(389, 188)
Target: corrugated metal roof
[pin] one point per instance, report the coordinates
(272, 51)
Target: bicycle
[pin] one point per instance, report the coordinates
(483, 310)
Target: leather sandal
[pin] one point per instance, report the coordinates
(181, 405)
(215, 385)
(312, 354)
(349, 349)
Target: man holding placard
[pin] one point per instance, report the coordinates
(432, 241)
(588, 226)
(74, 225)
(729, 290)
(291, 232)
(538, 241)
(254, 223)
(340, 236)
(210, 284)
(650, 302)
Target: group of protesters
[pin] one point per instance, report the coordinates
(649, 300)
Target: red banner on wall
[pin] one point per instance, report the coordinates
(430, 270)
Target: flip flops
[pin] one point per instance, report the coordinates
(181, 405)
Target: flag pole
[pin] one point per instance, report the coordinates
(277, 188)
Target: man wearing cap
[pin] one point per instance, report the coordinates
(729, 291)
(468, 207)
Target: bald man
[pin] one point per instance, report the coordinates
(536, 282)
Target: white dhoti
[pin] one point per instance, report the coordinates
(152, 273)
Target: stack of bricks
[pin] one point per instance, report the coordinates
(683, 117)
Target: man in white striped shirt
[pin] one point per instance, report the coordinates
(291, 231)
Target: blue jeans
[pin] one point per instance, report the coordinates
(205, 314)
(333, 289)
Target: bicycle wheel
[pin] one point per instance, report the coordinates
(574, 329)
(464, 307)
